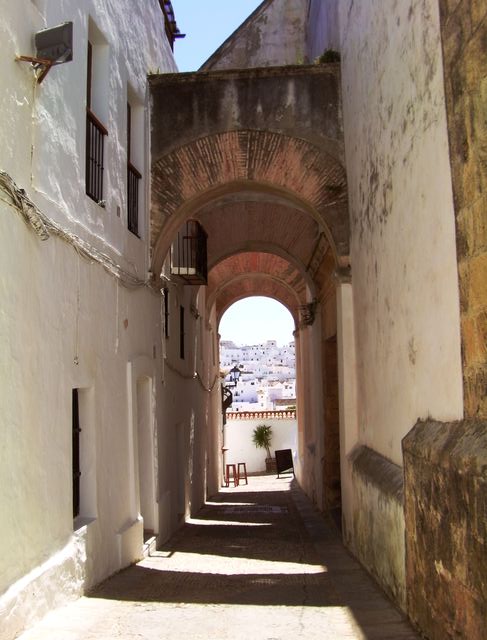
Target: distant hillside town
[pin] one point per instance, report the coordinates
(268, 375)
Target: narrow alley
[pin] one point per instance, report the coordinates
(258, 562)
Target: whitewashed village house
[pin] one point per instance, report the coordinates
(351, 190)
(82, 339)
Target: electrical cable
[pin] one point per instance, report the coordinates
(44, 227)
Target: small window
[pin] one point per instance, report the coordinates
(96, 111)
(133, 180)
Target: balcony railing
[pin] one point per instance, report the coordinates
(188, 254)
(95, 138)
(133, 177)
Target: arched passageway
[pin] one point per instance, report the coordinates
(260, 168)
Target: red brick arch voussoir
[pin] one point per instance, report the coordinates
(195, 174)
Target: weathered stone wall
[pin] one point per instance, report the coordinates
(378, 519)
(273, 35)
(445, 468)
(464, 36)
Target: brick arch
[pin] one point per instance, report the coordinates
(277, 252)
(252, 273)
(194, 174)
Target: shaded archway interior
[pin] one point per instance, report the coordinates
(257, 159)
(260, 245)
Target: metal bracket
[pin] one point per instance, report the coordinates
(37, 63)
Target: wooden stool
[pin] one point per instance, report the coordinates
(231, 468)
(244, 474)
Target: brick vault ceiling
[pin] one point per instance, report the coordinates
(258, 246)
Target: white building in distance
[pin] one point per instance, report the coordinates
(268, 375)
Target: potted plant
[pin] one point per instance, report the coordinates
(262, 437)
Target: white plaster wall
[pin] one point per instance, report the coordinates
(238, 441)
(403, 239)
(64, 322)
(272, 36)
(65, 325)
(188, 429)
(53, 128)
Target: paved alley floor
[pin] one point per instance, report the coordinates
(257, 563)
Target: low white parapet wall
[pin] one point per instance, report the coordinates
(238, 436)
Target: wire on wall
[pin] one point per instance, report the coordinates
(44, 228)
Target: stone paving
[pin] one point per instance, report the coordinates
(257, 562)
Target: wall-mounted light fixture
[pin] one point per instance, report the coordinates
(234, 376)
(53, 46)
(227, 395)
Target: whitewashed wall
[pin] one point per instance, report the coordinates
(403, 238)
(238, 441)
(404, 298)
(66, 323)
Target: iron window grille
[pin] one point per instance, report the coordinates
(95, 142)
(95, 150)
(189, 254)
(133, 178)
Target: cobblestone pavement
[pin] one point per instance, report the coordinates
(258, 562)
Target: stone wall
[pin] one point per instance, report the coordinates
(464, 36)
(446, 528)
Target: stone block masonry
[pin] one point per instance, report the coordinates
(464, 38)
(445, 488)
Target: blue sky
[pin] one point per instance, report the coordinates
(207, 24)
